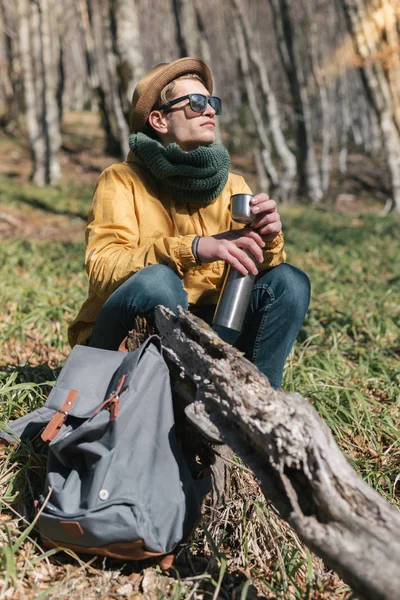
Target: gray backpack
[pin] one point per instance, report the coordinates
(117, 483)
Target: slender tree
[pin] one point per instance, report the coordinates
(309, 183)
(266, 165)
(39, 49)
(11, 97)
(127, 46)
(267, 100)
(101, 52)
(380, 74)
(191, 36)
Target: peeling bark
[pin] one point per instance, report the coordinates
(291, 451)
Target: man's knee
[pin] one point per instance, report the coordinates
(157, 284)
(289, 285)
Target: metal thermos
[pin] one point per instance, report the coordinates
(236, 290)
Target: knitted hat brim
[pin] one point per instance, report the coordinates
(162, 76)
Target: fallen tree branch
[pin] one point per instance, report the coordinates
(290, 449)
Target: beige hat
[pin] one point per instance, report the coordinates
(149, 87)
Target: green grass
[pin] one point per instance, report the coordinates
(43, 283)
(346, 361)
(69, 199)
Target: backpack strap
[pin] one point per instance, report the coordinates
(26, 428)
(153, 339)
(129, 364)
(54, 426)
(31, 425)
(60, 416)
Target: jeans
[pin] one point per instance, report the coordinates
(276, 311)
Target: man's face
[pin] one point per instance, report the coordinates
(185, 127)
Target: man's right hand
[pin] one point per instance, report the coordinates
(229, 246)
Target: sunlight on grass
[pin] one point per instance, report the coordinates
(70, 199)
(346, 361)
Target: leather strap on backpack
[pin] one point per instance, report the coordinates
(54, 426)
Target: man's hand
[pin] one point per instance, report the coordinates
(230, 246)
(267, 222)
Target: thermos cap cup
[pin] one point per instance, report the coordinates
(241, 208)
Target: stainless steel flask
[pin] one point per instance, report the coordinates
(236, 290)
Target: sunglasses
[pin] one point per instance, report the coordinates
(197, 102)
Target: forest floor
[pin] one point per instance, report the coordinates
(346, 361)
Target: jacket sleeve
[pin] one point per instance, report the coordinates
(113, 252)
(273, 251)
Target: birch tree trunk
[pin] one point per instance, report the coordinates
(389, 12)
(381, 80)
(39, 54)
(262, 176)
(83, 16)
(321, 85)
(309, 184)
(292, 453)
(106, 60)
(51, 53)
(188, 38)
(285, 155)
(111, 64)
(130, 65)
(252, 98)
(74, 92)
(345, 123)
(192, 37)
(10, 81)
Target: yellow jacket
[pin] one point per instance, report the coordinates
(133, 223)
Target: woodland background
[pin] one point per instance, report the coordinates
(311, 92)
(303, 82)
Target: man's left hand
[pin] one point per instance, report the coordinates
(267, 222)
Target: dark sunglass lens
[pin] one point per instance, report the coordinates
(198, 102)
(216, 104)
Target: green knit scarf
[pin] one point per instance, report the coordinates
(196, 177)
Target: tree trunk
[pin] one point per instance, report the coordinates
(192, 37)
(39, 53)
(51, 56)
(345, 122)
(130, 65)
(309, 184)
(187, 32)
(10, 80)
(381, 78)
(252, 98)
(285, 155)
(321, 84)
(82, 9)
(98, 19)
(291, 451)
(110, 71)
(390, 10)
(262, 176)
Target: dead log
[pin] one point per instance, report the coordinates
(290, 449)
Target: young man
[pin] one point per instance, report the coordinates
(160, 228)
